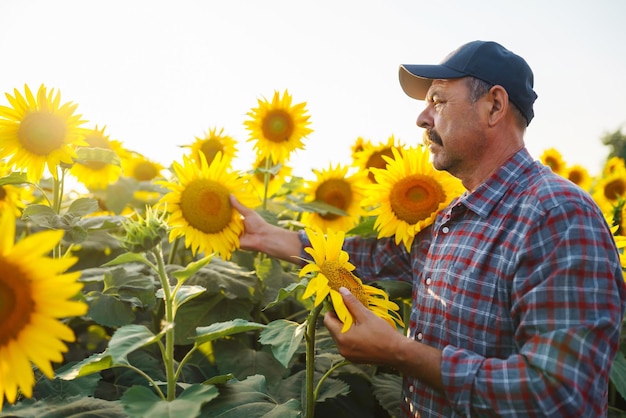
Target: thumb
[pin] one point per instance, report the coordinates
(238, 206)
(356, 308)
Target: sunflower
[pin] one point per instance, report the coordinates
(139, 167)
(200, 207)
(554, 159)
(579, 175)
(278, 127)
(609, 189)
(94, 174)
(373, 156)
(334, 271)
(278, 175)
(613, 164)
(408, 194)
(12, 197)
(335, 187)
(212, 143)
(39, 132)
(358, 146)
(34, 294)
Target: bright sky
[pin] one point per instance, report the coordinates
(160, 73)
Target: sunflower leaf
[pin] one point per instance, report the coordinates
(140, 401)
(287, 291)
(284, 337)
(94, 154)
(191, 269)
(128, 339)
(83, 206)
(184, 294)
(40, 214)
(14, 178)
(224, 329)
(92, 364)
(322, 208)
(126, 258)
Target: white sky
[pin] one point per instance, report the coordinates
(160, 73)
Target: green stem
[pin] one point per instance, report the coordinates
(266, 181)
(145, 376)
(168, 356)
(327, 374)
(310, 360)
(184, 360)
(57, 199)
(173, 251)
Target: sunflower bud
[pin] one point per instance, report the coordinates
(144, 233)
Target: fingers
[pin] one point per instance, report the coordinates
(238, 206)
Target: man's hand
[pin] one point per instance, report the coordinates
(259, 235)
(371, 340)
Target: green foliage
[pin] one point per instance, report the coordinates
(616, 141)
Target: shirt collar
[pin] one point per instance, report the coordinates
(485, 198)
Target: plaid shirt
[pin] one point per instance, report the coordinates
(519, 283)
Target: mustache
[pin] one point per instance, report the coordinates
(430, 135)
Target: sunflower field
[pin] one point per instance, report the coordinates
(124, 290)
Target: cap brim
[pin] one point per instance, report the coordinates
(416, 79)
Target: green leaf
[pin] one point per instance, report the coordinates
(92, 364)
(226, 278)
(323, 208)
(128, 339)
(234, 355)
(191, 269)
(140, 401)
(14, 178)
(130, 286)
(120, 194)
(127, 258)
(83, 206)
(42, 215)
(94, 154)
(284, 337)
(109, 310)
(185, 294)
(386, 387)
(618, 374)
(249, 398)
(74, 407)
(224, 329)
(287, 291)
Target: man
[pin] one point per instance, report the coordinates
(518, 294)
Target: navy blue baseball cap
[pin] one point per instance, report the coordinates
(485, 60)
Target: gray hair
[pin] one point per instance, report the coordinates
(477, 88)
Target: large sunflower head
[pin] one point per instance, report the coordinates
(408, 194)
(332, 270)
(199, 205)
(278, 127)
(96, 174)
(373, 155)
(35, 292)
(334, 187)
(613, 164)
(211, 143)
(38, 132)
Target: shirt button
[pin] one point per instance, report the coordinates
(419, 336)
(411, 388)
(445, 229)
(428, 281)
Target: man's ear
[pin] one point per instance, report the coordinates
(499, 101)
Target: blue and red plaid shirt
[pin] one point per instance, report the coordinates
(520, 284)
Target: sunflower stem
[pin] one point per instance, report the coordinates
(310, 360)
(57, 198)
(266, 181)
(168, 355)
(327, 374)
